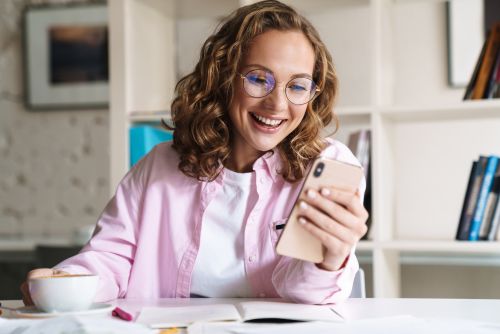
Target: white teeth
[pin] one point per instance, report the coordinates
(267, 121)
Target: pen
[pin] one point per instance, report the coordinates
(119, 313)
(173, 330)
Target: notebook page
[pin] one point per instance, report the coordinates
(288, 311)
(182, 316)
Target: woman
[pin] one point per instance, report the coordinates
(198, 217)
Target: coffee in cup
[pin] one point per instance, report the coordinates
(65, 293)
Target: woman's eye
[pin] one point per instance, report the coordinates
(257, 80)
(297, 87)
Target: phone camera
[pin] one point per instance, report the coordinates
(319, 169)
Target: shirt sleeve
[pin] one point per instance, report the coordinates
(303, 282)
(111, 250)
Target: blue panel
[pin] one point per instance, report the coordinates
(143, 138)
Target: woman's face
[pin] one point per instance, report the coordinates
(260, 124)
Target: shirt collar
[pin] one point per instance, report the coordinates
(271, 161)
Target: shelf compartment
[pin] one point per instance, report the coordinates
(426, 165)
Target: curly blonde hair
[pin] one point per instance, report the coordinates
(203, 131)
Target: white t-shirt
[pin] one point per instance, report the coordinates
(219, 270)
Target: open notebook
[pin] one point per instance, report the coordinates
(183, 316)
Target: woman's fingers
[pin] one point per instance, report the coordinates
(335, 212)
(337, 218)
(349, 200)
(41, 272)
(324, 222)
(330, 208)
(26, 295)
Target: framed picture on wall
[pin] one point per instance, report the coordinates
(66, 56)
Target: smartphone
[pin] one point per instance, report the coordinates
(295, 241)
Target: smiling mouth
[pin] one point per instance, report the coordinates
(267, 122)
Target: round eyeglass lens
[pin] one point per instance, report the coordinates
(300, 90)
(258, 83)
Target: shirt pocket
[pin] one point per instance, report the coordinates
(275, 229)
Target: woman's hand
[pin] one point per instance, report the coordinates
(42, 272)
(338, 219)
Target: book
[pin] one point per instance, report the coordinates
(473, 79)
(487, 63)
(494, 80)
(367, 203)
(250, 311)
(487, 182)
(359, 143)
(470, 203)
(490, 207)
(496, 86)
(495, 223)
(493, 213)
(469, 200)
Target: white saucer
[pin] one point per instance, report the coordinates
(33, 312)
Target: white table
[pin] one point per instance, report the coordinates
(353, 309)
(486, 310)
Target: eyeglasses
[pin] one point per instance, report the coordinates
(260, 83)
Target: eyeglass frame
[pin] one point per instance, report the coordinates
(244, 76)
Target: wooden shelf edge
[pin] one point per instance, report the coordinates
(460, 110)
(433, 246)
(138, 117)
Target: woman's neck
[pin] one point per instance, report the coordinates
(241, 161)
(239, 166)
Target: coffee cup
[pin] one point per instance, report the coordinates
(65, 293)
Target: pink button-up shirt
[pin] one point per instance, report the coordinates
(147, 238)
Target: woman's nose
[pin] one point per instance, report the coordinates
(277, 98)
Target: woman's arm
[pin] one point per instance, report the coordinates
(338, 219)
(304, 282)
(111, 250)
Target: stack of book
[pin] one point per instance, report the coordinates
(359, 144)
(485, 80)
(480, 215)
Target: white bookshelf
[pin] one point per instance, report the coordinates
(391, 61)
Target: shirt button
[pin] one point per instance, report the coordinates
(262, 179)
(251, 258)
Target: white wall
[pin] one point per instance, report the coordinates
(54, 165)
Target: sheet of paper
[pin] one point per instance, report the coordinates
(182, 316)
(403, 324)
(290, 311)
(72, 324)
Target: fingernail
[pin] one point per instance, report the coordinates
(303, 205)
(311, 193)
(302, 221)
(325, 192)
